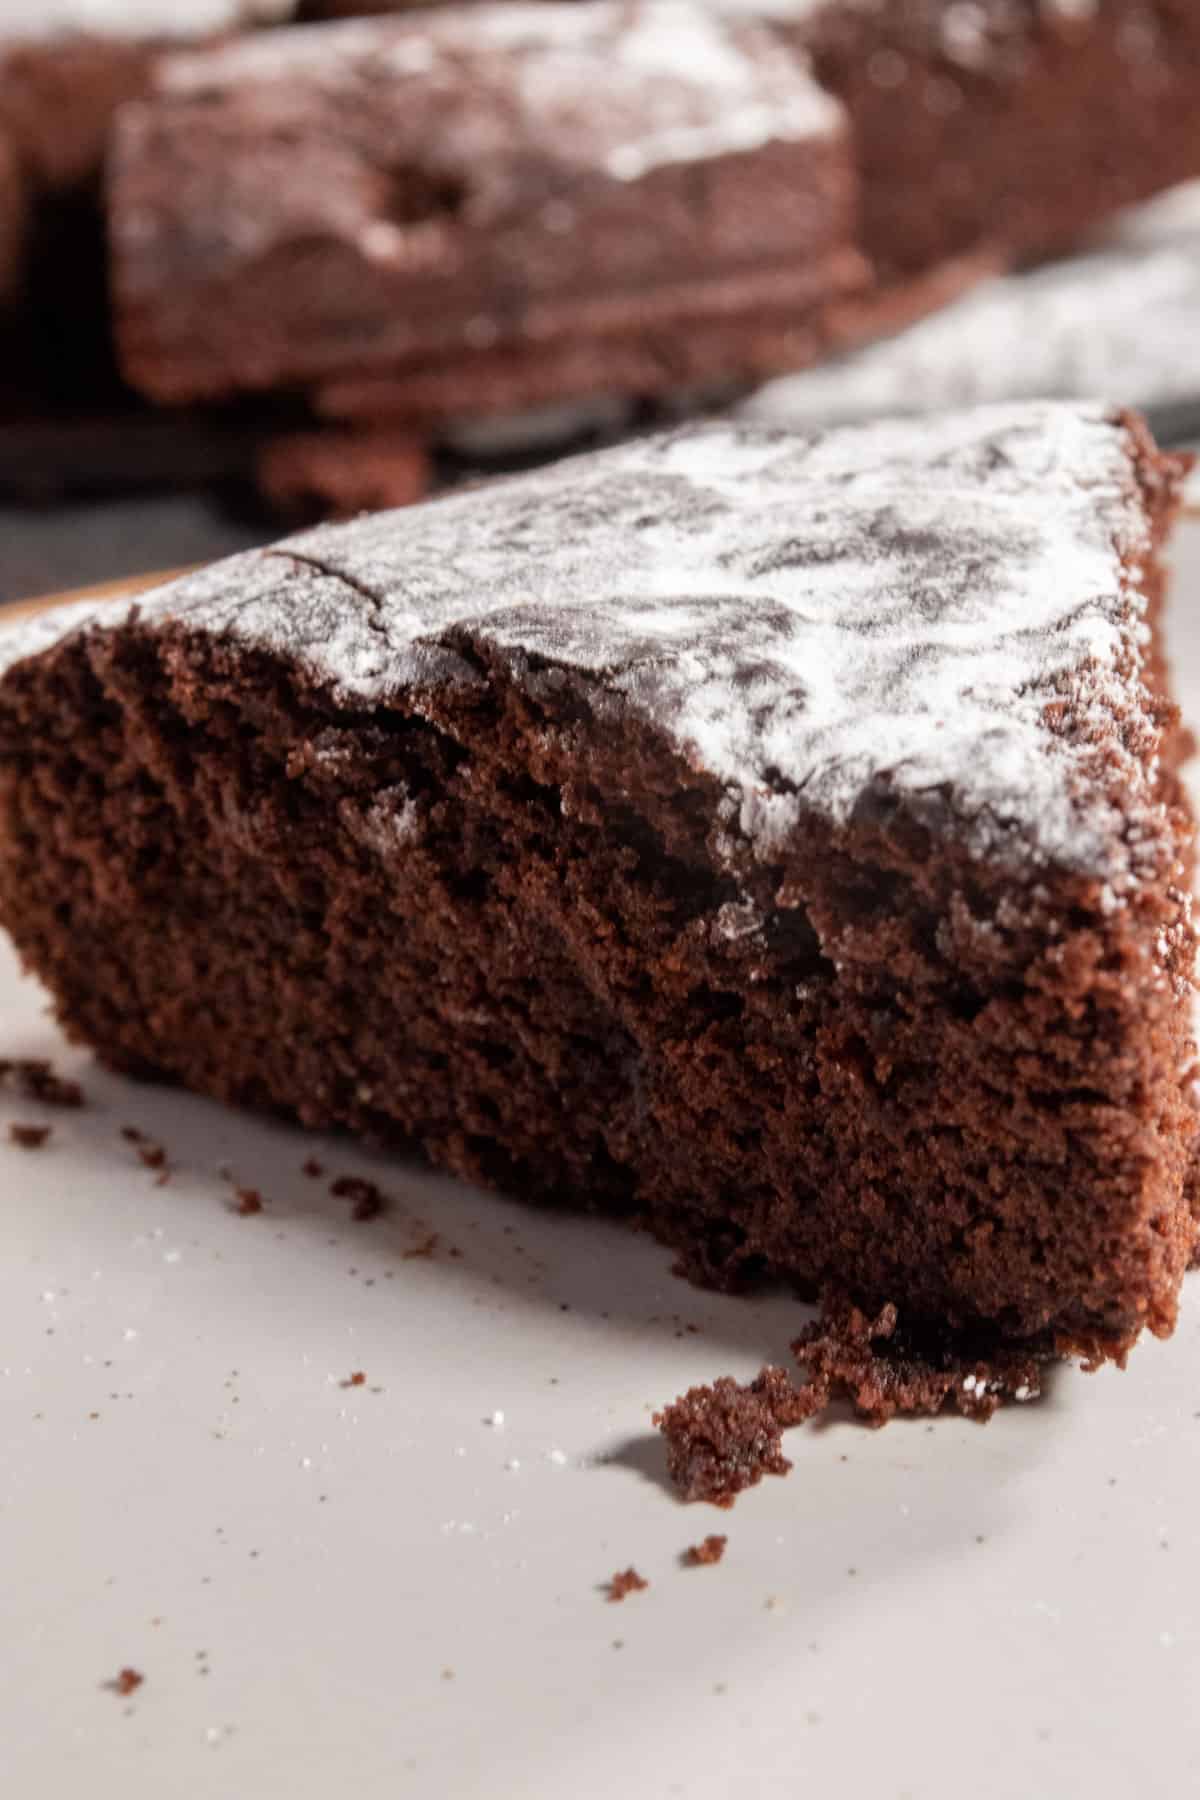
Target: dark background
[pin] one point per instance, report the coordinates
(47, 549)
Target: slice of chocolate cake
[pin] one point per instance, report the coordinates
(1001, 128)
(14, 220)
(1009, 124)
(67, 65)
(776, 839)
(482, 208)
(66, 68)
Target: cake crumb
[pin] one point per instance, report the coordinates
(426, 1247)
(710, 1550)
(725, 1437)
(29, 1137)
(358, 1379)
(367, 1200)
(126, 1682)
(626, 1581)
(152, 1155)
(34, 1078)
(247, 1202)
(313, 1169)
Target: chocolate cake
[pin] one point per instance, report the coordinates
(1119, 318)
(67, 65)
(777, 840)
(1009, 125)
(526, 202)
(1005, 125)
(14, 221)
(67, 422)
(58, 93)
(341, 472)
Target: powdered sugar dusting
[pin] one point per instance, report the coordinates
(20, 638)
(41, 19)
(624, 87)
(810, 619)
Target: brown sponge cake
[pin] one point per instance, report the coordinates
(67, 65)
(526, 202)
(14, 220)
(776, 839)
(1010, 123)
(1004, 127)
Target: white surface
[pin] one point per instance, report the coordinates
(1023, 1617)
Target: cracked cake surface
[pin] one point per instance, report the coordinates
(943, 613)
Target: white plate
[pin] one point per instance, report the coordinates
(374, 1592)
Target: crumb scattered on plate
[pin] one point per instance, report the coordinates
(34, 1079)
(710, 1550)
(626, 1581)
(28, 1137)
(727, 1435)
(368, 1200)
(152, 1155)
(426, 1247)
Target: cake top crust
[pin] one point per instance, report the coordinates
(620, 86)
(37, 20)
(970, 33)
(947, 611)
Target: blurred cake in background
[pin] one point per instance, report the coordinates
(998, 125)
(355, 254)
(14, 219)
(482, 210)
(67, 420)
(67, 65)
(1121, 318)
(1008, 126)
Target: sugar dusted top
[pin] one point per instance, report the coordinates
(41, 19)
(894, 606)
(626, 85)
